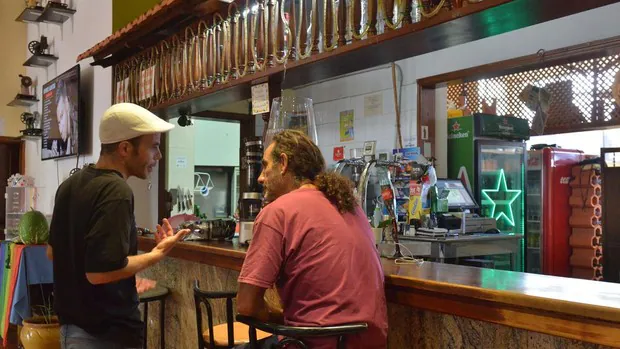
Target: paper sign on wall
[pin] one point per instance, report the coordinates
(181, 161)
(347, 126)
(338, 153)
(373, 105)
(260, 99)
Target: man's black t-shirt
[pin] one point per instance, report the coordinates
(93, 230)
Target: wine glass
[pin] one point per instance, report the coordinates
(291, 113)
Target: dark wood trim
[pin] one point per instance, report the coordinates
(22, 150)
(164, 200)
(247, 130)
(10, 140)
(426, 117)
(22, 157)
(154, 28)
(594, 49)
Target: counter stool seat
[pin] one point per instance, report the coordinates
(156, 294)
(241, 334)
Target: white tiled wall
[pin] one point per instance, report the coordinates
(348, 93)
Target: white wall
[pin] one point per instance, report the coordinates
(216, 143)
(13, 56)
(334, 96)
(348, 93)
(91, 24)
(590, 142)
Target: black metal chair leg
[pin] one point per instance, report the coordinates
(162, 316)
(342, 342)
(146, 319)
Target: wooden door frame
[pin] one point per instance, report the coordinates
(22, 150)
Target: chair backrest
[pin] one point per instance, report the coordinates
(204, 297)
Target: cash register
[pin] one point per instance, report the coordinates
(459, 212)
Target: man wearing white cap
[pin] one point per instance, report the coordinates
(93, 238)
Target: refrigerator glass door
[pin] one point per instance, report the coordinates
(534, 216)
(501, 187)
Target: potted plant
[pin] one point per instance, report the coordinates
(42, 330)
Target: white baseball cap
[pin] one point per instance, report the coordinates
(124, 121)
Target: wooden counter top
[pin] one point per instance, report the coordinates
(571, 308)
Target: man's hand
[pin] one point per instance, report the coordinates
(166, 238)
(143, 285)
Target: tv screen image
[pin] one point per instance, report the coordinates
(61, 115)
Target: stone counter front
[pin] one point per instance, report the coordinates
(425, 311)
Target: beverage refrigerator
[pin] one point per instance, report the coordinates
(548, 210)
(488, 154)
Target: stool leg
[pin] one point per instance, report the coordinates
(162, 316)
(146, 319)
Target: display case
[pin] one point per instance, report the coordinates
(549, 210)
(501, 182)
(19, 200)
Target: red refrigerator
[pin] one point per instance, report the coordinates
(548, 210)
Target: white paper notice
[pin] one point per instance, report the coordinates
(373, 105)
(181, 161)
(260, 99)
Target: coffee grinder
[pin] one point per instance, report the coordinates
(252, 198)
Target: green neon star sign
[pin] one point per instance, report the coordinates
(501, 199)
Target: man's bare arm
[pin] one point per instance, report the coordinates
(166, 239)
(135, 264)
(251, 302)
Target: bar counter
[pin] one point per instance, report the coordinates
(430, 305)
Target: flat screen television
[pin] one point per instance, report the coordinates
(61, 116)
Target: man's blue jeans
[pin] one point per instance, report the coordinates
(73, 337)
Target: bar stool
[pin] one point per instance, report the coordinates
(159, 293)
(293, 335)
(223, 336)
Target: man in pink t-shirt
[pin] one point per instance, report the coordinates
(313, 242)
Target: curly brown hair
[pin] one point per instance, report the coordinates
(308, 165)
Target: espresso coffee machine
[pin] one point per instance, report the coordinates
(252, 198)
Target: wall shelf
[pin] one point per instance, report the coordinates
(55, 14)
(23, 101)
(35, 133)
(30, 14)
(44, 60)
